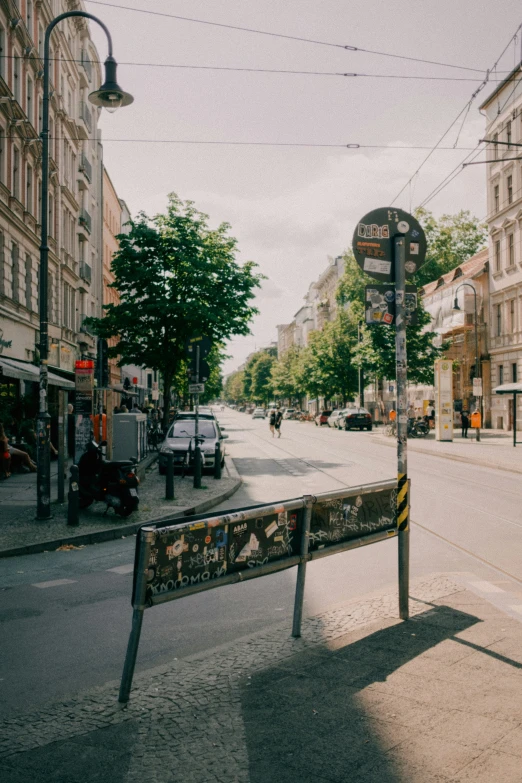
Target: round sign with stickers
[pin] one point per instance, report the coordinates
(373, 242)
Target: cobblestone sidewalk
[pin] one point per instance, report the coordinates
(360, 697)
(19, 527)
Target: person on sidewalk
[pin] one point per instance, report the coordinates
(5, 456)
(278, 420)
(464, 423)
(271, 422)
(19, 455)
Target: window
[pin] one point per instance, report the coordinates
(28, 282)
(16, 77)
(510, 189)
(495, 145)
(514, 372)
(511, 249)
(496, 198)
(511, 316)
(29, 16)
(30, 100)
(508, 133)
(499, 319)
(40, 41)
(497, 255)
(16, 173)
(469, 319)
(500, 374)
(50, 217)
(15, 257)
(29, 190)
(3, 52)
(40, 115)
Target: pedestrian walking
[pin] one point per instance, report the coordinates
(278, 420)
(464, 423)
(271, 422)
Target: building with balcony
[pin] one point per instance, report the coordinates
(503, 111)
(74, 186)
(112, 214)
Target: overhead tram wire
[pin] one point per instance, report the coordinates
(465, 109)
(283, 35)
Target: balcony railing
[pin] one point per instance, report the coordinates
(85, 272)
(85, 167)
(85, 115)
(86, 63)
(85, 220)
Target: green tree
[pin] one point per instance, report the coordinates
(234, 387)
(452, 239)
(287, 375)
(176, 278)
(261, 376)
(328, 368)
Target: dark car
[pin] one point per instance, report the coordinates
(356, 419)
(180, 441)
(322, 418)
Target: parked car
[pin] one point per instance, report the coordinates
(356, 418)
(322, 418)
(202, 414)
(337, 417)
(288, 413)
(333, 417)
(259, 413)
(180, 436)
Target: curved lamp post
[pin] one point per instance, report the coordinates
(477, 359)
(110, 96)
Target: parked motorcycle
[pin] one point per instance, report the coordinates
(112, 482)
(418, 429)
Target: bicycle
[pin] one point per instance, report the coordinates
(390, 429)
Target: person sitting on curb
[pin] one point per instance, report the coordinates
(5, 456)
(19, 455)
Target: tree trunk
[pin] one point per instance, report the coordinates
(167, 384)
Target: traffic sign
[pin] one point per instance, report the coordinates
(196, 388)
(373, 243)
(477, 387)
(204, 343)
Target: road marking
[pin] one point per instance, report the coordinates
(487, 587)
(55, 583)
(123, 569)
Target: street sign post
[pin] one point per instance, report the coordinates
(196, 388)
(390, 245)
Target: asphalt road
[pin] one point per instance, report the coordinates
(66, 615)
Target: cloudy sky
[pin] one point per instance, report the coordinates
(292, 207)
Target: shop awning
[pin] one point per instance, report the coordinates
(23, 371)
(508, 388)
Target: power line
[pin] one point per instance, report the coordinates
(241, 69)
(282, 35)
(464, 110)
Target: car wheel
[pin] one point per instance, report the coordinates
(162, 470)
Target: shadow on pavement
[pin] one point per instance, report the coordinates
(269, 467)
(320, 716)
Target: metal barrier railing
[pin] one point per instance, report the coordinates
(201, 553)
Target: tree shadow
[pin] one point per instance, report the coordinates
(322, 715)
(252, 466)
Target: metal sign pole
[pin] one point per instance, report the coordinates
(197, 450)
(146, 539)
(62, 443)
(402, 427)
(301, 568)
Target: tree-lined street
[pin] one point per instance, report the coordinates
(60, 637)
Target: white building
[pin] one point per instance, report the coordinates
(503, 111)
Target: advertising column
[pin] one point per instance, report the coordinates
(83, 409)
(443, 400)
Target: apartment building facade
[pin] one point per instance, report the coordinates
(503, 111)
(75, 282)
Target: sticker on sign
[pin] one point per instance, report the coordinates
(196, 388)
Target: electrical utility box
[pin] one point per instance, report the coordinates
(129, 436)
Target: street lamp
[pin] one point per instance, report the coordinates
(110, 96)
(477, 359)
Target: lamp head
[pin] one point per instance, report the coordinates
(110, 96)
(456, 304)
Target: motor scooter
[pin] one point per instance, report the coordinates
(112, 482)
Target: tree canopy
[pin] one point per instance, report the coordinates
(176, 278)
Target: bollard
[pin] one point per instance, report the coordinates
(217, 461)
(197, 466)
(73, 508)
(169, 481)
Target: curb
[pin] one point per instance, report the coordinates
(455, 457)
(111, 533)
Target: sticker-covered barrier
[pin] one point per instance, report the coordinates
(200, 553)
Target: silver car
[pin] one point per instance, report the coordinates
(180, 441)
